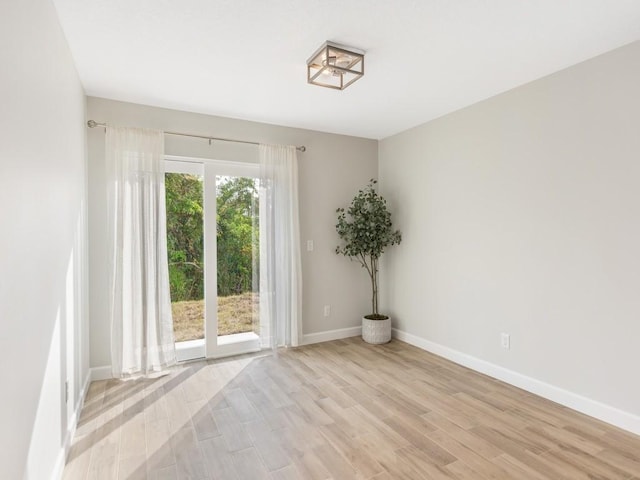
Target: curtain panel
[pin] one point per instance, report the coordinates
(281, 284)
(140, 308)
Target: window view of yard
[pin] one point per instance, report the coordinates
(237, 252)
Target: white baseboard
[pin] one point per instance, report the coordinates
(101, 373)
(329, 335)
(71, 430)
(606, 413)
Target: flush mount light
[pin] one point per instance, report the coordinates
(335, 66)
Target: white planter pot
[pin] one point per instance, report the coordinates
(376, 331)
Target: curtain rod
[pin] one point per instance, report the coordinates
(94, 124)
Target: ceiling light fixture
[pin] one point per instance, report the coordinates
(335, 66)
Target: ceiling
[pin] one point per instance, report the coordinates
(247, 58)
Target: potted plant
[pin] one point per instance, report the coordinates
(366, 231)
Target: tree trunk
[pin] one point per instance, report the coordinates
(373, 290)
(374, 277)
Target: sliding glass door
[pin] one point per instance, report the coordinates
(213, 233)
(232, 258)
(184, 193)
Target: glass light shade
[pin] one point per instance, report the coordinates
(335, 66)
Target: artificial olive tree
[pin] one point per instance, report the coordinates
(366, 231)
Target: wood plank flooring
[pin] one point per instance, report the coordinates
(338, 410)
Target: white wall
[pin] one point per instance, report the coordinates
(43, 322)
(331, 171)
(521, 214)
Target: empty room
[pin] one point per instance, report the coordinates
(320, 240)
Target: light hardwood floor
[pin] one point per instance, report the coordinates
(340, 410)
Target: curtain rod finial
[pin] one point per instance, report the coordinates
(92, 124)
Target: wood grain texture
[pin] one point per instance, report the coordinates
(339, 410)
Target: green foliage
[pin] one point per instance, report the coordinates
(237, 235)
(237, 232)
(366, 230)
(185, 236)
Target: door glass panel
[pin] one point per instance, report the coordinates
(183, 193)
(237, 236)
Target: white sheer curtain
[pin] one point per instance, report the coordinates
(281, 282)
(141, 325)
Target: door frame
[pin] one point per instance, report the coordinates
(213, 346)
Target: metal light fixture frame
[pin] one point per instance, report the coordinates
(355, 67)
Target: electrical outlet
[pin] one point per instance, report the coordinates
(309, 245)
(505, 340)
(327, 310)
